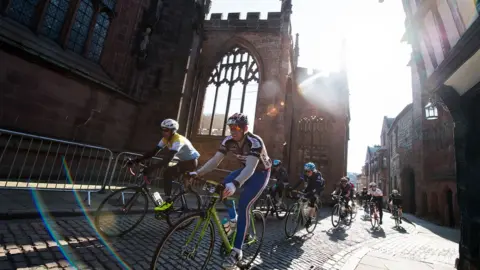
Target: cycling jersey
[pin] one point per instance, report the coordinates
(184, 148)
(314, 182)
(375, 193)
(252, 146)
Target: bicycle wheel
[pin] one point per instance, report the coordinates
(374, 219)
(348, 217)
(354, 211)
(313, 225)
(183, 204)
(181, 245)
(336, 212)
(294, 217)
(254, 239)
(125, 199)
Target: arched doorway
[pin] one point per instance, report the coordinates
(411, 189)
(450, 211)
(408, 189)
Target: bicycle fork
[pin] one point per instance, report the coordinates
(190, 253)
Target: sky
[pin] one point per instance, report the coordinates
(378, 76)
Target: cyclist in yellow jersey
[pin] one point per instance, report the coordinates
(178, 146)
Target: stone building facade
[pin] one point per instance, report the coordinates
(445, 63)
(101, 72)
(400, 150)
(107, 72)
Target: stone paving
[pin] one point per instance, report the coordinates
(30, 244)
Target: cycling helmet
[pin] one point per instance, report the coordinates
(395, 191)
(170, 124)
(276, 162)
(239, 119)
(309, 167)
(373, 184)
(344, 179)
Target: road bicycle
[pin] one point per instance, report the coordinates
(396, 216)
(268, 204)
(374, 214)
(298, 214)
(176, 252)
(339, 211)
(129, 200)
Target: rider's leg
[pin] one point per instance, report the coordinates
(380, 208)
(168, 176)
(230, 205)
(252, 189)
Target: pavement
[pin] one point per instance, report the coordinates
(72, 242)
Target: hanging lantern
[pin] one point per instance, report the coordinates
(431, 112)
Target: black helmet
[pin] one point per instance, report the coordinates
(239, 119)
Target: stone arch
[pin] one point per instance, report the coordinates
(434, 206)
(407, 188)
(449, 209)
(235, 64)
(424, 204)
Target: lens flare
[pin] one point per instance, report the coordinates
(65, 250)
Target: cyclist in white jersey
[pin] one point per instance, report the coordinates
(178, 147)
(252, 177)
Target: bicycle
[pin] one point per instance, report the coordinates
(268, 204)
(298, 213)
(128, 196)
(396, 216)
(374, 214)
(339, 209)
(205, 223)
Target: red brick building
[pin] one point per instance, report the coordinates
(107, 72)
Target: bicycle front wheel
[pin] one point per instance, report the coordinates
(182, 247)
(292, 220)
(374, 219)
(183, 204)
(336, 215)
(281, 210)
(121, 211)
(313, 225)
(253, 239)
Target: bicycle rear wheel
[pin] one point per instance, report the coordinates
(336, 212)
(293, 216)
(181, 244)
(182, 205)
(128, 215)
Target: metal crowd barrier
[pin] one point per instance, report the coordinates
(35, 162)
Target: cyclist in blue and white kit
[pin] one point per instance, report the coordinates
(252, 177)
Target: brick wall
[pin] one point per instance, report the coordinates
(271, 50)
(44, 95)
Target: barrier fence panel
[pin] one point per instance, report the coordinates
(35, 162)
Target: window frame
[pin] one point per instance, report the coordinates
(38, 20)
(251, 72)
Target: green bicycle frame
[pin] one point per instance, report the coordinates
(203, 223)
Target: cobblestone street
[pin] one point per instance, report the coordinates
(27, 244)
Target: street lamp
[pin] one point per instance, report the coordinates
(431, 112)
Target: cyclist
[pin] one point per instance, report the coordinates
(352, 192)
(377, 197)
(253, 176)
(178, 146)
(280, 173)
(396, 199)
(364, 196)
(345, 190)
(315, 185)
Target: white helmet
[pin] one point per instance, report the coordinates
(373, 184)
(170, 124)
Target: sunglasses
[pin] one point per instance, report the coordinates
(235, 128)
(165, 129)
(308, 171)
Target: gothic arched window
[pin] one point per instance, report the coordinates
(80, 26)
(232, 87)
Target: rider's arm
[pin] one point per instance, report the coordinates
(250, 164)
(152, 152)
(211, 164)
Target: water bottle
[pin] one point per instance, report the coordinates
(158, 198)
(306, 210)
(226, 226)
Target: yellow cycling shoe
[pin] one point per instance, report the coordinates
(164, 206)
